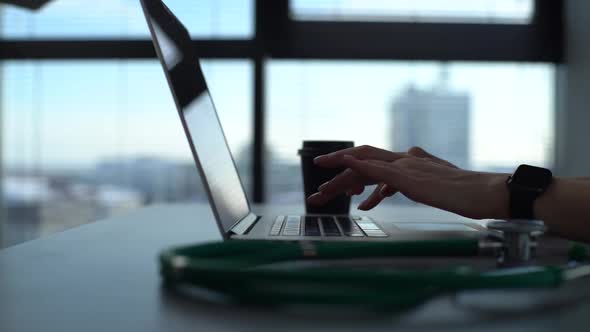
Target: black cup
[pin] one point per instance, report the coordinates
(314, 176)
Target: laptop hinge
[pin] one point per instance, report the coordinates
(243, 226)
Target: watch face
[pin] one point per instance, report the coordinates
(531, 176)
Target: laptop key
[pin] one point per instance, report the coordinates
(345, 224)
(275, 230)
(370, 228)
(330, 227)
(292, 226)
(312, 227)
(367, 226)
(376, 233)
(349, 227)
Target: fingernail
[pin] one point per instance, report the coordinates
(349, 157)
(315, 199)
(316, 196)
(323, 186)
(318, 159)
(313, 196)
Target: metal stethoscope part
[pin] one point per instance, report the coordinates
(519, 240)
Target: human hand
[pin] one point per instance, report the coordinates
(419, 176)
(353, 183)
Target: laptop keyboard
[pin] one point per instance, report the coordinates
(329, 226)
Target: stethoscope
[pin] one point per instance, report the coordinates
(248, 271)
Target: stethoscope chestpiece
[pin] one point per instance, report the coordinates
(519, 239)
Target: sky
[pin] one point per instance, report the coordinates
(76, 113)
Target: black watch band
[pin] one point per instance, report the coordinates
(522, 205)
(526, 185)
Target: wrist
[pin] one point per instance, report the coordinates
(499, 196)
(542, 205)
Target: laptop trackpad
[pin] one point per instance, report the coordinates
(434, 227)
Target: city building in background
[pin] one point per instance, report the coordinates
(436, 119)
(41, 203)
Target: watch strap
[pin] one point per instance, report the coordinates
(522, 203)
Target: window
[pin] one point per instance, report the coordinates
(85, 140)
(89, 128)
(469, 113)
(212, 19)
(448, 11)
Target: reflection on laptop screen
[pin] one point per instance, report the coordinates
(198, 114)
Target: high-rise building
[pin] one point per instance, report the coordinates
(435, 119)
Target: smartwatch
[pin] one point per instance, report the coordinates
(525, 185)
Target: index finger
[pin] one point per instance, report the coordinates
(343, 182)
(334, 159)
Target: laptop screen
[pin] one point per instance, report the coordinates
(198, 115)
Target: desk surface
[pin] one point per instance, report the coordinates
(104, 277)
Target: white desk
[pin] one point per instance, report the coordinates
(104, 277)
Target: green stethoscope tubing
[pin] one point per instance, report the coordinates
(238, 268)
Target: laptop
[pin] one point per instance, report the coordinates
(214, 161)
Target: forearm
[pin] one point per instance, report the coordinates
(565, 208)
